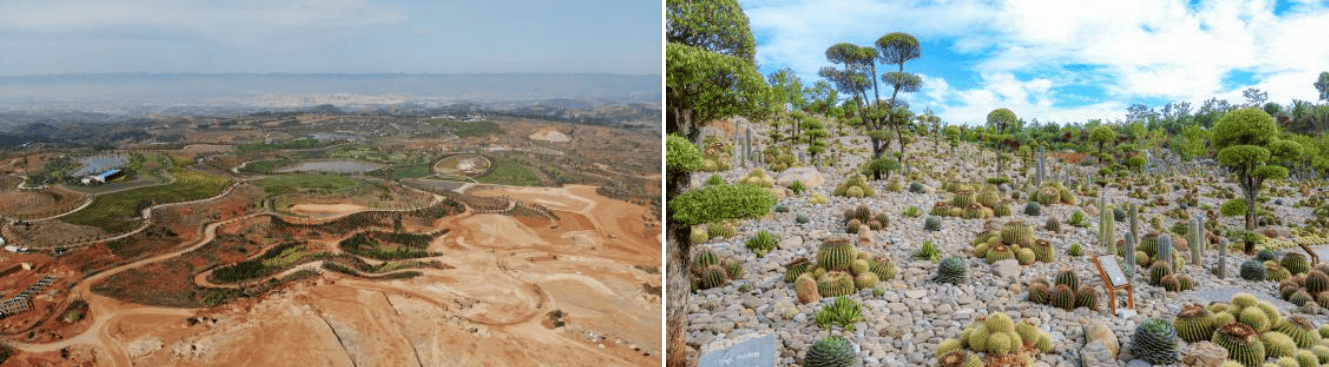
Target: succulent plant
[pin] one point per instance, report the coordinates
(1275, 272)
(835, 284)
(1277, 344)
(883, 267)
(865, 280)
(1038, 293)
(1316, 282)
(932, 224)
(713, 276)
(1087, 297)
(1242, 343)
(1300, 297)
(959, 358)
(1255, 318)
(1033, 209)
(1063, 297)
(832, 351)
(952, 270)
(1300, 330)
(1068, 277)
(1043, 251)
(835, 254)
(1252, 270)
(802, 219)
(1295, 263)
(806, 289)
(998, 253)
(1017, 233)
(761, 243)
(734, 269)
(1157, 271)
(795, 269)
(1266, 255)
(1155, 342)
(1194, 323)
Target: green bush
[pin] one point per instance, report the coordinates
(720, 201)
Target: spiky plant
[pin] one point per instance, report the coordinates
(1170, 283)
(1276, 272)
(1277, 344)
(1295, 263)
(1043, 251)
(713, 276)
(1063, 297)
(835, 284)
(1068, 277)
(1038, 293)
(1300, 330)
(795, 269)
(1087, 297)
(865, 280)
(959, 358)
(832, 351)
(952, 270)
(1255, 318)
(1025, 256)
(806, 289)
(998, 253)
(1300, 298)
(1017, 233)
(1316, 282)
(1252, 270)
(836, 254)
(932, 224)
(1266, 255)
(1033, 209)
(1242, 343)
(927, 251)
(734, 269)
(1157, 271)
(704, 259)
(1155, 342)
(883, 267)
(1194, 323)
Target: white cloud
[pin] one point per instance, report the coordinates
(1141, 49)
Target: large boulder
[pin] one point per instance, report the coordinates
(809, 176)
(1204, 354)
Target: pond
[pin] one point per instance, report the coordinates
(338, 166)
(97, 164)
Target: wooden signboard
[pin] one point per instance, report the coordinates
(1114, 279)
(1315, 254)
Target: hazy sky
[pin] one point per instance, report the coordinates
(1064, 60)
(330, 36)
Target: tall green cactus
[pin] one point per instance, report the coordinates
(1130, 254)
(1196, 235)
(1105, 230)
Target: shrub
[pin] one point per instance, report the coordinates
(844, 312)
(762, 242)
(927, 252)
(797, 187)
(715, 180)
(913, 212)
(932, 224)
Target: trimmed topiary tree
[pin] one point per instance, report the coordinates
(1246, 141)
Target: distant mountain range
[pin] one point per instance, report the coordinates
(114, 96)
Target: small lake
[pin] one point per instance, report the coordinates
(338, 166)
(321, 136)
(97, 164)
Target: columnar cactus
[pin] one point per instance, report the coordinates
(1197, 240)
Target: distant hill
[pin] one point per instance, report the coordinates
(206, 89)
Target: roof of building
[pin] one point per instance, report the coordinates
(108, 173)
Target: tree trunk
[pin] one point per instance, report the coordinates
(676, 306)
(1248, 184)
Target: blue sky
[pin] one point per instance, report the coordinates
(1063, 60)
(330, 36)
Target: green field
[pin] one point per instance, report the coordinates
(265, 167)
(113, 212)
(306, 143)
(465, 129)
(304, 182)
(510, 172)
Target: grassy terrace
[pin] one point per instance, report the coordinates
(118, 212)
(510, 172)
(305, 182)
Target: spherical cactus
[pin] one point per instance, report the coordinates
(940, 209)
(1170, 283)
(1242, 343)
(1141, 258)
(883, 267)
(795, 269)
(1044, 342)
(1270, 313)
(1276, 272)
(714, 276)
(999, 343)
(1087, 297)
(1155, 342)
(1244, 300)
(1256, 319)
(989, 197)
(1149, 244)
(1266, 255)
(1216, 307)
(1017, 233)
(1300, 330)
(1001, 210)
(1300, 297)
(836, 254)
(932, 224)
(1194, 323)
(853, 191)
(1027, 331)
(1277, 344)
(959, 358)
(1069, 278)
(1033, 209)
(1043, 251)
(1185, 282)
(1224, 317)
(705, 259)
(999, 323)
(947, 346)
(734, 268)
(1038, 293)
(835, 284)
(999, 253)
(978, 339)
(806, 289)
(1321, 352)
(1252, 270)
(1025, 256)
(858, 266)
(1295, 263)
(1306, 358)
(952, 270)
(802, 219)
(832, 351)
(1316, 282)
(1063, 297)
(1049, 196)
(973, 211)
(981, 250)
(865, 280)
(963, 198)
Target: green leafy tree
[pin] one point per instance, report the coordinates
(1322, 85)
(953, 134)
(710, 72)
(1244, 139)
(1101, 134)
(855, 78)
(716, 26)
